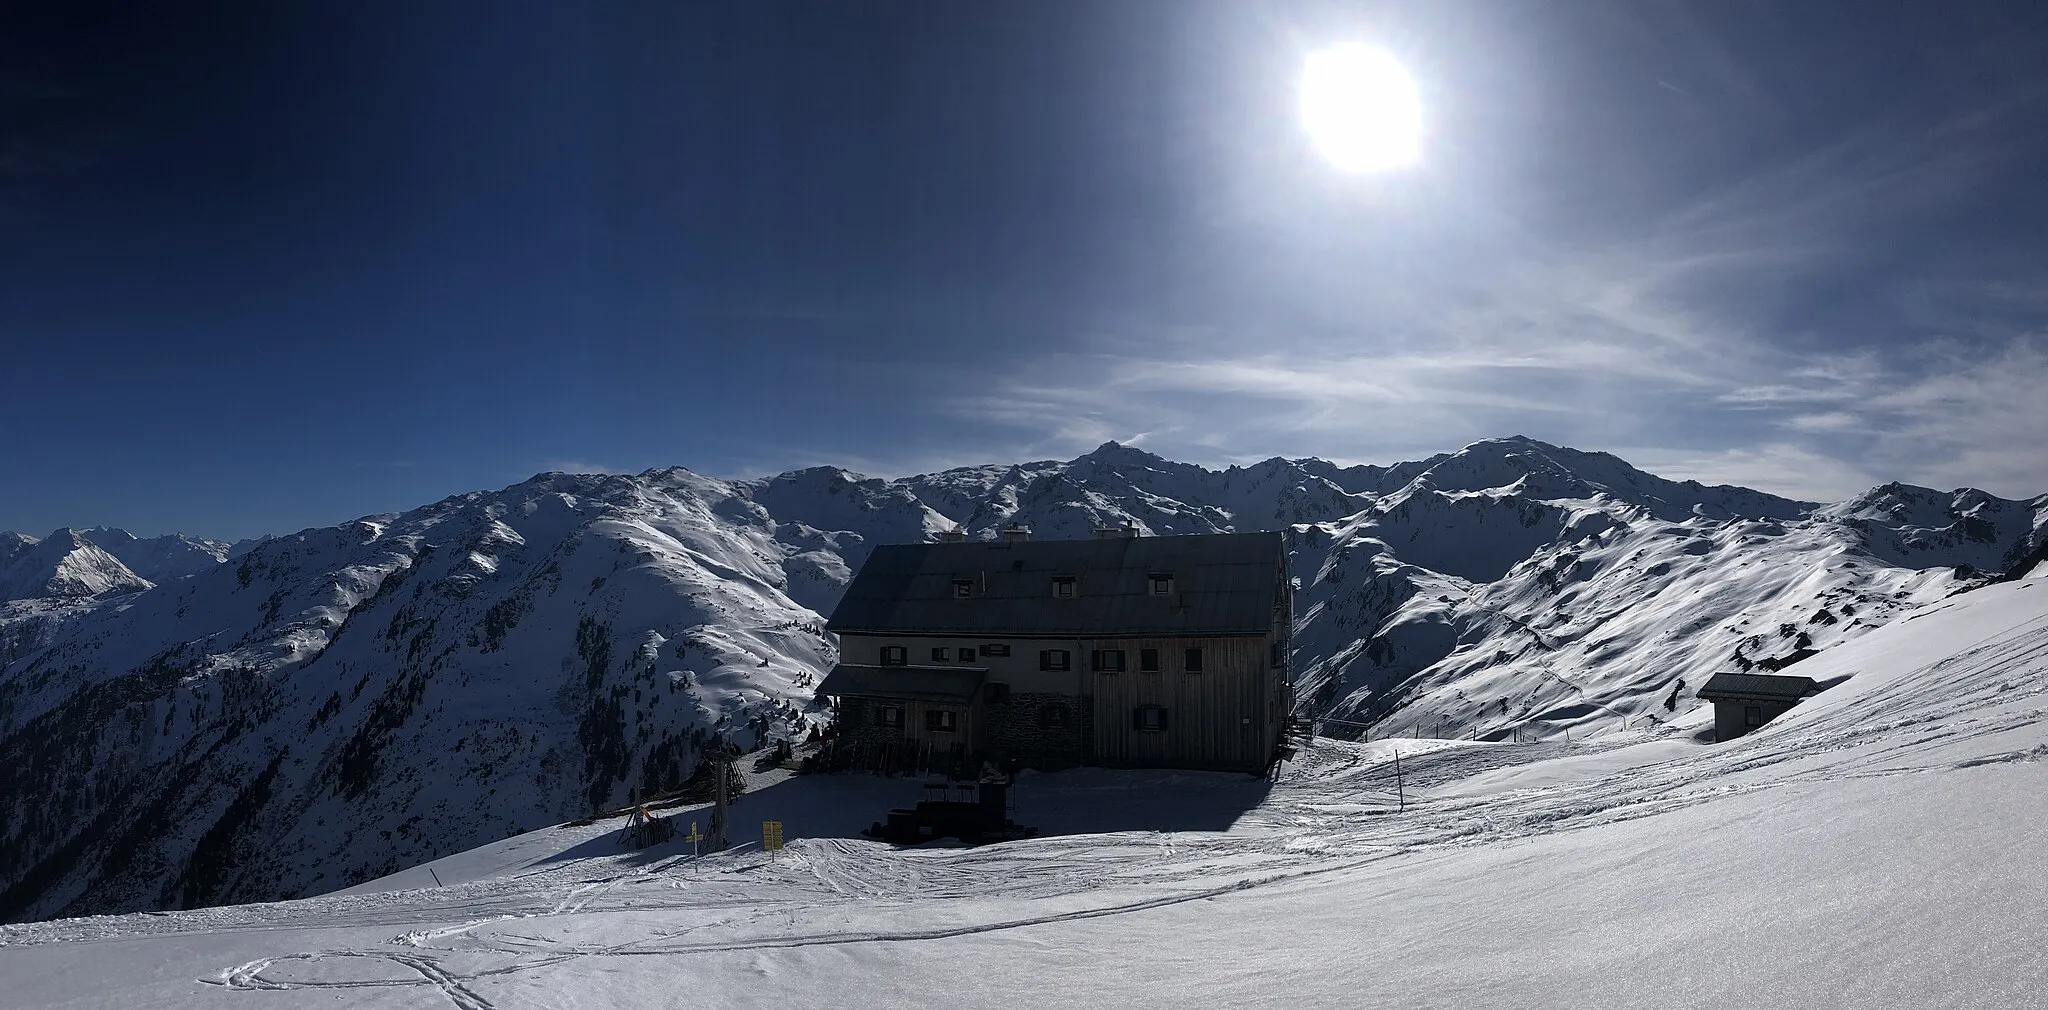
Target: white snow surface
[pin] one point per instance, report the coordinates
(1877, 846)
(308, 712)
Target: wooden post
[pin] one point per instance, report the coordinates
(721, 771)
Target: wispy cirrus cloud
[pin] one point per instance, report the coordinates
(1713, 339)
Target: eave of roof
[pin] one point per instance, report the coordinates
(1756, 687)
(910, 683)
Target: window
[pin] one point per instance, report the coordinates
(895, 655)
(1052, 716)
(1108, 660)
(1063, 587)
(1148, 719)
(967, 654)
(940, 655)
(1148, 660)
(995, 649)
(1159, 584)
(1753, 715)
(941, 721)
(963, 589)
(1193, 661)
(889, 717)
(1055, 659)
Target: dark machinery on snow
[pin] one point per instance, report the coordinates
(973, 812)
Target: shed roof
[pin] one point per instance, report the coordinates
(1757, 687)
(1223, 584)
(920, 683)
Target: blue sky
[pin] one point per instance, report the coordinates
(264, 266)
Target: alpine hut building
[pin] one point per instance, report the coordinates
(1119, 650)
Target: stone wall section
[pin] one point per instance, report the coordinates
(1040, 730)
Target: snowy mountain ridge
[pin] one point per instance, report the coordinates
(310, 711)
(101, 561)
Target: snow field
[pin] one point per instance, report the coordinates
(1878, 846)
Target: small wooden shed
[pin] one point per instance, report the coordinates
(1745, 701)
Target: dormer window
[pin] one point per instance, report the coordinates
(1159, 584)
(963, 589)
(1063, 587)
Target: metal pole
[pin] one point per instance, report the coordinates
(1400, 790)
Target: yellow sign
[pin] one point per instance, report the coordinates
(771, 835)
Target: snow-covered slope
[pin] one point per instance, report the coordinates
(1876, 846)
(342, 702)
(330, 706)
(65, 563)
(159, 559)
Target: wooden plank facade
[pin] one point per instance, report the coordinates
(1195, 676)
(1222, 716)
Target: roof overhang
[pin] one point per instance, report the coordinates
(1756, 687)
(957, 684)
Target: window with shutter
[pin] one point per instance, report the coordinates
(1108, 660)
(1148, 719)
(1148, 660)
(1055, 659)
(1192, 663)
(939, 654)
(895, 655)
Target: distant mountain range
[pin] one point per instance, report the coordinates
(183, 722)
(98, 562)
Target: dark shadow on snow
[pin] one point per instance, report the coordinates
(1077, 801)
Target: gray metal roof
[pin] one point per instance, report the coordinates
(1756, 686)
(1223, 584)
(922, 683)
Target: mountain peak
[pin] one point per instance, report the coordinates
(1114, 450)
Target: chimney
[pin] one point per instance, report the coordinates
(956, 535)
(1016, 533)
(1130, 529)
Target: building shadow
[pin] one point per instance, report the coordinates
(1073, 802)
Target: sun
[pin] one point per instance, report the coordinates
(1361, 109)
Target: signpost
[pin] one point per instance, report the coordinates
(771, 836)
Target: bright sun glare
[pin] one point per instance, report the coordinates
(1361, 109)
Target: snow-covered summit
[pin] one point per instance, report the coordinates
(159, 559)
(1537, 470)
(63, 564)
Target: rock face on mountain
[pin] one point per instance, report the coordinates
(183, 723)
